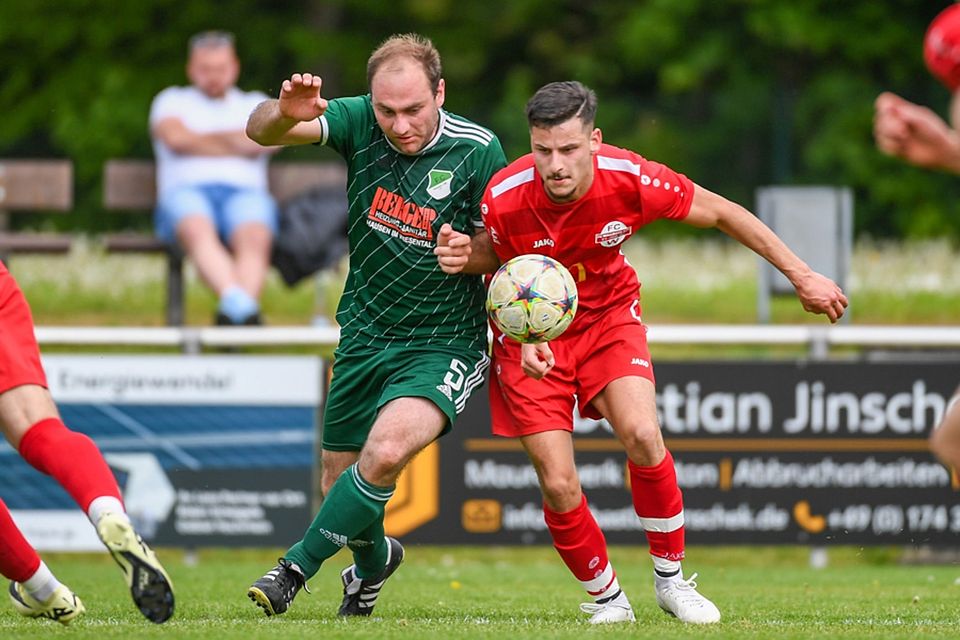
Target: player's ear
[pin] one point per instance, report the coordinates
(596, 139)
(441, 93)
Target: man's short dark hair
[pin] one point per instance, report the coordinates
(557, 102)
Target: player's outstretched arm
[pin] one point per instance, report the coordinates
(817, 293)
(292, 118)
(915, 134)
(460, 253)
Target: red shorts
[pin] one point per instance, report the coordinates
(19, 353)
(587, 360)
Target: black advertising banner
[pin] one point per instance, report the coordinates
(236, 507)
(766, 453)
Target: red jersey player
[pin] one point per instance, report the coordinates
(576, 200)
(31, 424)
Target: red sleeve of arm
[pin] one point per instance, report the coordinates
(491, 222)
(664, 193)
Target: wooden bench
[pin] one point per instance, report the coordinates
(34, 186)
(130, 185)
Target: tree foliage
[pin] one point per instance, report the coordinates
(736, 94)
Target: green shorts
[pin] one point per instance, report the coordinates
(365, 379)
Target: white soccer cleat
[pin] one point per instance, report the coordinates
(62, 606)
(616, 610)
(679, 598)
(149, 584)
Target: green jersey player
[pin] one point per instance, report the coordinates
(413, 339)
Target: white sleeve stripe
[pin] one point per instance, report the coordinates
(466, 136)
(324, 129)
(662, 525)
(618, 164)
(513, 181)
(463, 126)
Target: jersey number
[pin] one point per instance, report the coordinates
(457, 374)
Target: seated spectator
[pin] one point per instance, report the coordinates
(212, 193)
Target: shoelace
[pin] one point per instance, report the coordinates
(593, 607)
(687, 589)
(288, 579)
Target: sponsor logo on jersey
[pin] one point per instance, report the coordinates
(440, 181)
(543, 242)
(613, 233)
(494, 236)
(394, 216)
(641, 362)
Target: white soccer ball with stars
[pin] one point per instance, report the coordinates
(532, 298)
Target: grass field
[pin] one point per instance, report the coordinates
(520, 593)
(525, 592)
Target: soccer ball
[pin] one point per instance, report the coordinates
(532, 298)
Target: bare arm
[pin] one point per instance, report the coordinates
(460, 253)
(291, 119)
(817, 293)
(183, 140)
(916, 134)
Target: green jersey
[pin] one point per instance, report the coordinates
(395, 294)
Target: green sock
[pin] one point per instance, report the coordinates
(370, 550)
(352, 506)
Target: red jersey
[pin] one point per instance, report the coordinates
(585, 235)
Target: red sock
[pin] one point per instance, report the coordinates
(18, 560)
(659, 504)
(71, 458)
(579, 541)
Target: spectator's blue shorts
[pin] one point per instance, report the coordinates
(226, 206)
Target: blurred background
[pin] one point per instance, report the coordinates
(735, 94)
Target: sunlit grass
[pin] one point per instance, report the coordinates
(684, 281)
(525, 593)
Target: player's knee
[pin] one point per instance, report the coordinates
(561, 492)
(642, 440)
(381, 465)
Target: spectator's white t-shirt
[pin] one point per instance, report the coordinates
(203, 114)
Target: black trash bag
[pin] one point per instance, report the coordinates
(312, 233)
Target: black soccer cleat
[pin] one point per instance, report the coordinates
(359, 594)
(274, 592)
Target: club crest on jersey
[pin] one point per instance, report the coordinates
(613, 233)
(440, 181)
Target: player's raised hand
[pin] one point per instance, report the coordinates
(300, 97)
(453, 249)
(536, 360)
(820, 294)
(914, 133)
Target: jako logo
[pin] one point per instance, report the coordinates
(641, 362)
(543, 242)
